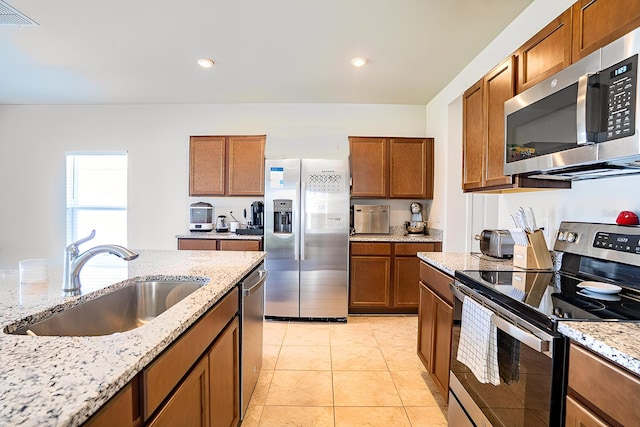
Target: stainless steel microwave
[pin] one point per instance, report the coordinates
(580, 123)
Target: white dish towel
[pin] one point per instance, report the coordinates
(478, 345)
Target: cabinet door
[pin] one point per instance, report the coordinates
(546, 53)
(426, 327)
(207, 169)
(579, 416)
(122, 410)
(197, 244)
(405, 282)
(189, 405)
(369, 157)
(239, 245)
(224, 374)
(473, 137)
(442, 345)
(246, 165)
(411, 168)
(597, 23)
(369, 286)
(498, 87)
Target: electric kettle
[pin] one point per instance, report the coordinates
(221, 224)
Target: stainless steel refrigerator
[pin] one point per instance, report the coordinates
(306, 236)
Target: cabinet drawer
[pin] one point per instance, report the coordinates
(239, 245)
(197, 244)
(371, 249)
(411, 249)
(437, 281)
(167, 370)
(609, 389)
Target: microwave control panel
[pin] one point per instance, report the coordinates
(621, 82)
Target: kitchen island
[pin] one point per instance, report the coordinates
(64, 380)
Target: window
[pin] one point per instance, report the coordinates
(97, 197)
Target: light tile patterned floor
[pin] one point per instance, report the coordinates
(361, 373)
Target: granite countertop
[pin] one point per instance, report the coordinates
(219, 236)
(449, 262)
(62, 381)
(618, 342)
(397, 235)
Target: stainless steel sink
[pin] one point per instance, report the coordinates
(124, 309)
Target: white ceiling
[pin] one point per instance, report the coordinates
(265, 51)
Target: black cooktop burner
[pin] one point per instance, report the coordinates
(551, 296)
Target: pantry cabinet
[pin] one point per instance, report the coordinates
(391, 167)
(587, 404)
(384, 276)
(597, 23)
(219, 244)
(226, 165)
(435, 324)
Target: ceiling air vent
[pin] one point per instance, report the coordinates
(10, 16)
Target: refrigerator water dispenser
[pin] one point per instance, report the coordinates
(282, 216)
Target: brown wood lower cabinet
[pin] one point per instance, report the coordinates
(194, 382)
(435, 322)
(123, 409)
(599, 392)
(384, 276)
(219, 244)
(224, 378)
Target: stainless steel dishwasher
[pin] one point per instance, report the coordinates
(251, 327)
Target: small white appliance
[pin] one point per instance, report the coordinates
(201, 216)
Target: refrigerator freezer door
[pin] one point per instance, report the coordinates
(324, 239)
(282, 290)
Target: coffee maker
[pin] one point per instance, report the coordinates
(257, 215)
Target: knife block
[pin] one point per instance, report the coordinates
(534, 256)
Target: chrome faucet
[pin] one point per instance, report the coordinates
(74, 261)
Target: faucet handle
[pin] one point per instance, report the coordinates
(74, 246)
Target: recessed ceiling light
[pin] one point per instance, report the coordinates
(205, 62)
(358, 62)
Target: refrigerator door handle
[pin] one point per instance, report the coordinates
(303, 216)
(294, 228)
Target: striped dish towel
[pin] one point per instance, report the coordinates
(478, 345)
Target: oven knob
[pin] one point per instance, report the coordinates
(566, 315)
(571, 237)
(561, 237)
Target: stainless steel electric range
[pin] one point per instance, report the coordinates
(598, 280)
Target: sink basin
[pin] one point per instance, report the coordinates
(124, 309)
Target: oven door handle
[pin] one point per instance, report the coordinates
(541, 345)
(525, 337)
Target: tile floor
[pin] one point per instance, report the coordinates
(361, 373)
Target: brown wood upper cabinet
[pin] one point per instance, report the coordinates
(483, 131)
(399, 168)
(226, 165)
(597, 23)
(546, 53)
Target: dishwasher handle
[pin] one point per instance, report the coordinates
(247, 291)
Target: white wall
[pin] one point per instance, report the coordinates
(34, 139)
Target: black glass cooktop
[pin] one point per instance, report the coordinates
(547, 297)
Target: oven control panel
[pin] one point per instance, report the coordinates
(617, 242)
